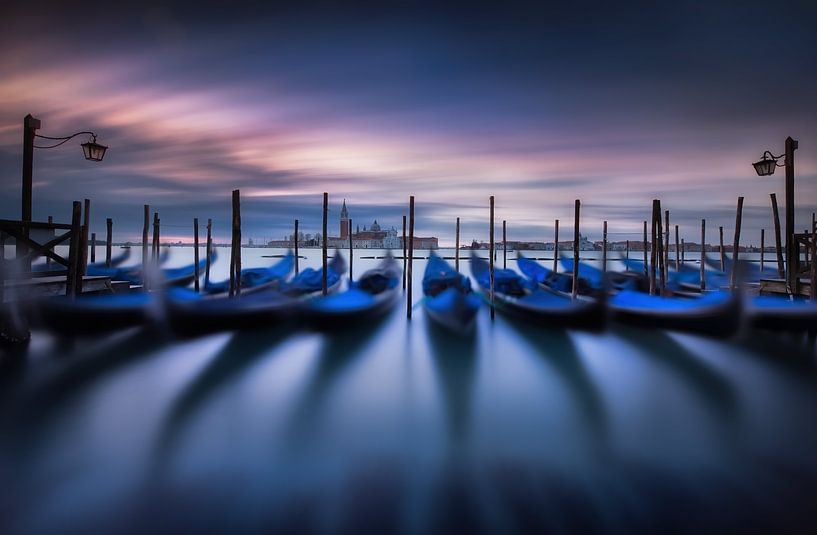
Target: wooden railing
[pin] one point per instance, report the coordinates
(29, 249)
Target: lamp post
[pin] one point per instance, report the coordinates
(766, 167)
(91, 149)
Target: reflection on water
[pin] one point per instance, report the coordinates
(399, 426)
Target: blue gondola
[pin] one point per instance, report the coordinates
(747, 271)
(715, 313)
(368, 298)
(522, 298)
(781, 313)
(190, 313)
(449, 300)
(256, 279)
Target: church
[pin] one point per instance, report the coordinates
(374, 237)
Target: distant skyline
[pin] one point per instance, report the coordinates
(536, 104)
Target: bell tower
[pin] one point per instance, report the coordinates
(344, 221)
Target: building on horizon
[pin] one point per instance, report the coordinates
(374, 237)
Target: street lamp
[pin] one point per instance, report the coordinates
(766, 167)
(91, 149)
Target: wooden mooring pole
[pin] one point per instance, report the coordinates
(235, 272)
(665, 266)
(208, 251)
(646, 263)
(73, 282)
(457, 247)
(351, 252)
(93, 247)
(556, 248)
(813, 280)
(627, 250)
(108, 241)
(653, 247)
(722, 250)
(504, 245)
(703, 255)
(781, 269)
(324, 243)
(405, 245)
(296, 244)
(762, 247)
(491, 258)
(604, 249)
(155, 248)
(736, 245)
(145, 240)
(677, 250)
(47, 258)
(576, 213)
(196, 253)
(410, 257)
(662, 254)
(86, 225)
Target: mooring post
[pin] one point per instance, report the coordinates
(677, 250)
(324, 243)
(73, 281)
(627, 250)
(457, 248)
(778, 245)
(703, 255)
(736, 246)
(762, 247)
(813, 281)
(653, 247)
(237, 242)
(504, 245)
(491, 257)
(145, 240)
(404, 252)
(196, 253)
(47, 258)
(556, 247)
(108, 241)
(604, 249)
(576, 211)
(722, 250)
(351, 254)
(410, 256)
(662, 254)
(208, 250)
(86, 226)
(646, 263)
(665, 266)
(296, 243)
(155, 247)
(93, 247)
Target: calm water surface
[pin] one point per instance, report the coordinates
(396, 426)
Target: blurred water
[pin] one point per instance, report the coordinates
(397, 426)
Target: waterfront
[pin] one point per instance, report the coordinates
(395, 426)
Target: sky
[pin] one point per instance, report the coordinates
(535, 103)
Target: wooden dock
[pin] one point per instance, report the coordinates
(778, 287)
(15, 289)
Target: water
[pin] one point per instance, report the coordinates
(396, 426)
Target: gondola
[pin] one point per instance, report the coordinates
(255, 279)
(179, 276)
(781, 314)
(367, 299)
(714, 313)
(95, 314)
(687, 279)
(598, 280)
(116, 261)
(189, 313)
(747, 271)
(58, 269)
(449, 300)
(561, 282)
(522, 298)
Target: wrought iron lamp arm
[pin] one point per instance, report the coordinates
(63, 139)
